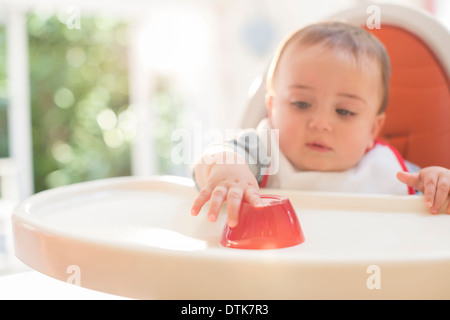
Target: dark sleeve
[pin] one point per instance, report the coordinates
(249, 146)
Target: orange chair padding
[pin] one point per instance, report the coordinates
(418, 112)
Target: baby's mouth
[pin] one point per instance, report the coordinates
(318, 147)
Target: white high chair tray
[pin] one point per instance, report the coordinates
(135, 237)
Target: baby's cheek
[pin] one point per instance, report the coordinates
(289, 137)
(291, 130)
(354, 151)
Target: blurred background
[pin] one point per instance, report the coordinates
(95, 89)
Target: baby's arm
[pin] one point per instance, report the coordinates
(433, 182)
(224, 177)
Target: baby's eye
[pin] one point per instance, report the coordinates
(301, 104)
(345, 113)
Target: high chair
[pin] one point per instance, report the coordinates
(418, 113)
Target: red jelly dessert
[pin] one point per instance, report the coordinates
(273, 225)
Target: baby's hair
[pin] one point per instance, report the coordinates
(342, 36)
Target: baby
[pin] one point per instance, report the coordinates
(327, 91)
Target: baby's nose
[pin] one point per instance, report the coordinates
(320, 122)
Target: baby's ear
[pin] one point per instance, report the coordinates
(378, 125)
(269, 103)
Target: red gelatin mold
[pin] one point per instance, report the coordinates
(273, 225)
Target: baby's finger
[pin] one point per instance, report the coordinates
(216, 201)
(442, 191)
(429, 185)
(234, 199)
(251, 195)
(202, 197)
(411, 179)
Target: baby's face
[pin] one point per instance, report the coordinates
(325, 106)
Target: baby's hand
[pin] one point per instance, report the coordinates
(433, 182)
(230, 183)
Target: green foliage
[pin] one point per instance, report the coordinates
(3, 96)
(169, 108)
(82, 124)
(76, 76)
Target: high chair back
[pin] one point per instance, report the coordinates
(418, 113)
